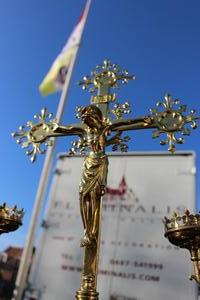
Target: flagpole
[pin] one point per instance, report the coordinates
(28, 248)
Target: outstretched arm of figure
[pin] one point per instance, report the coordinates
(172, 122)
(132, 124)
(34, 135)
(118, 127)
(40, 133)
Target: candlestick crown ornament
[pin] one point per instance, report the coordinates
(101, 126)
(184, 232)
(10, 218)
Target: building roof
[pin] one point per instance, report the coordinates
(14, 252)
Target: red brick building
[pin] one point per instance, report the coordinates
(9, 263)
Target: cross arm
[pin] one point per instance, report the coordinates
(35, 137)
(40, 133)
(169, 119)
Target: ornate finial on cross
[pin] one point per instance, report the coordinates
(172, 121)
(103, 78)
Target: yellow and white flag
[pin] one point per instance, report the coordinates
(55, 78)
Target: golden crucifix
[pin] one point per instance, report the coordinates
(96, 131)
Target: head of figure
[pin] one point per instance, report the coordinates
(92, 116)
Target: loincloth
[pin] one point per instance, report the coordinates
(94, 173)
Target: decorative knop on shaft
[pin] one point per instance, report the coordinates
(184, 232)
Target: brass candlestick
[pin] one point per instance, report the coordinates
(10, 218)
(184, 232)
(102, 125)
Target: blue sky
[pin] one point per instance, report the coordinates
(159, 41)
